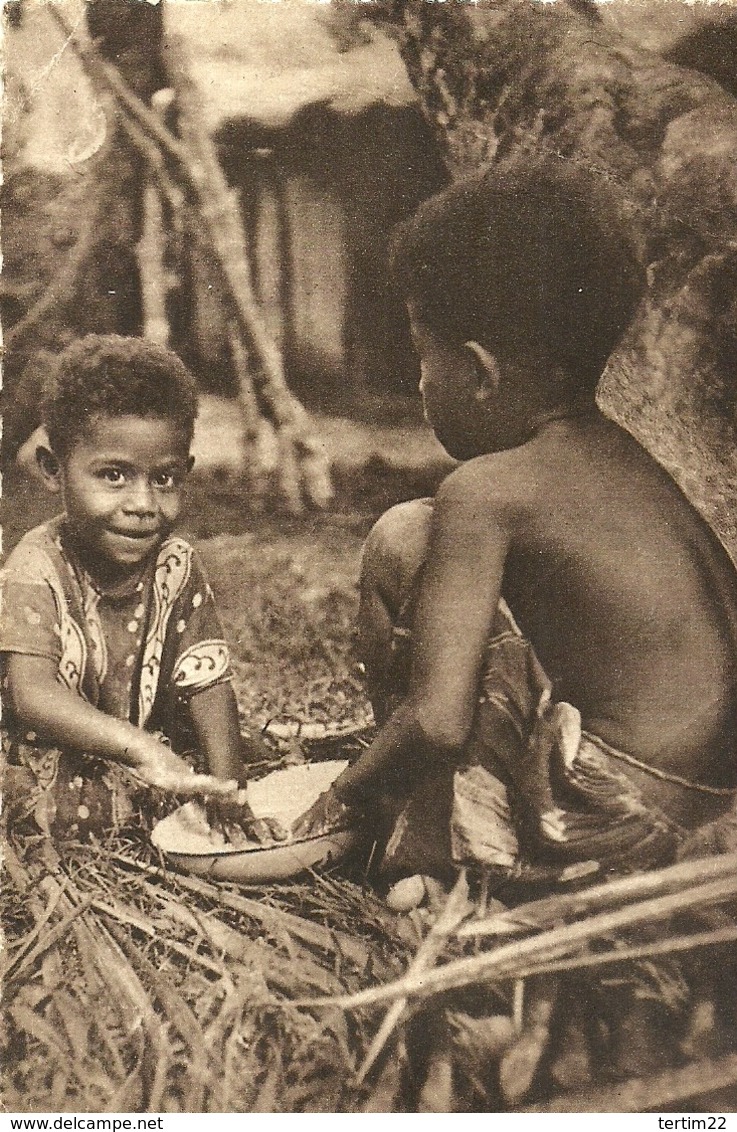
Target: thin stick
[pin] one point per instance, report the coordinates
(554, 909)
(661, 1092)
(253, 422)
(629, 954)
(155, 278)
(506, 961)
(456, 908)
(152, 155)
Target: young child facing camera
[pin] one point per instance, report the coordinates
(109, 635)
(572, 620)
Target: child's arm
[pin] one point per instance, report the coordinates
(214, 715)
(59, 716)
(460, 592)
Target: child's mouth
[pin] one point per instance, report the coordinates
(135, 536)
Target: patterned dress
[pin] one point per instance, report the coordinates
(538, 796)
(138, 653)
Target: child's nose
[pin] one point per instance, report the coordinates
(140, 498)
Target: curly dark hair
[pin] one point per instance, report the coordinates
(115, 376)
(534, 252)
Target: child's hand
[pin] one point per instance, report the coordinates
(328, 813)
(233, 816)
(157, 765)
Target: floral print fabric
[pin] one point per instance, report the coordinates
(137, 655)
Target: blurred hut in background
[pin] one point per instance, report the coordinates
(320, 131)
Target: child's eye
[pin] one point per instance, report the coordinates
(112, 475)
(166, 480)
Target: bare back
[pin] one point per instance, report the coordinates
(627, 596)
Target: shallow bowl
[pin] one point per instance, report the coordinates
(272, 862)
(187, 842)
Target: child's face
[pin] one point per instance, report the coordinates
(121, 485)
(449, 387)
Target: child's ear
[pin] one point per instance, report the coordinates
(487, 369)
(49, 467)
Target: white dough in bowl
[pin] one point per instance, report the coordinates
(284, 795)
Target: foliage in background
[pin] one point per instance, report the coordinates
(288, 604)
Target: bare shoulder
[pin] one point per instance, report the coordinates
(501, 487)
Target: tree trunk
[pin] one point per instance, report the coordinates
(128, 36)
(499, 80)
(303, 473)
(74, 236)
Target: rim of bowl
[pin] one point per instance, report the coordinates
(256, 848)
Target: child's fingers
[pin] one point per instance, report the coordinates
(201, 784)
(310, 823)
(328, 813)
(269, 829)
(302, 826)
(279, 832)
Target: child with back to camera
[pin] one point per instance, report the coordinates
(110, 642)
(572, 620)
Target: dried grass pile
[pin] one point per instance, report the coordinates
(130, 989)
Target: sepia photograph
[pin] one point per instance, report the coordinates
(368, 592)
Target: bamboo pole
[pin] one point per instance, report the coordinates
(669, 946)
(150, 254)
(253, 422)
(157, 280)
(304, 471)
(550, 910)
